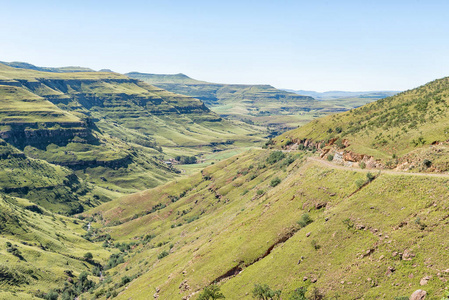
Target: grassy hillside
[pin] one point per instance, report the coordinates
(399, 129)
(271, 218)
(41, 251)
(57, 188)
(112, 131)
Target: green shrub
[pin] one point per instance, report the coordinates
(348, 222)
(298, 294)
(339, 143)
(362, 165)
(359, 183)
(125, 280)
(315, 245)
(88, 256)
(304, 220)
(163, 254)
(264, 292)
(275, 156)
(330, 157)
(369, 176)
(259, 192)
(51, 295)
(275, 181)
(211, 292)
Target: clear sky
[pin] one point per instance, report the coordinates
(313, 45)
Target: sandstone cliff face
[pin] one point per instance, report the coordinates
(29, 134)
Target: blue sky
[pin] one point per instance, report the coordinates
(313, 45)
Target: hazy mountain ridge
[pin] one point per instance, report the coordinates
(333, 95)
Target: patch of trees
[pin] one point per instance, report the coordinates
(186, 160)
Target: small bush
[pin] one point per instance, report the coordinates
(88, 256)
(275, 156)
(211, 292)
(125, 280)
(299, 294)
(426, 163)
(359, 183)
(362, 165)
(259, 192)
(369, 176)
(264, 292)
(330, 157)
(275, 181)
(162, 254)
(304, 221)
(348, 222)
(315, 245)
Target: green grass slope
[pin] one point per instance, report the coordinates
(40, 251)
(110, 129)
(54, 187)
(242, 222)
(398, 129)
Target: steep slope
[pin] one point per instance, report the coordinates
(270, 218)
(107, 127)
(40, 252)
(403, 131)
(56, 188)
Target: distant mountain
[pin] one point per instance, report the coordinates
(255, 104)
(24, 65)
(333, 95)
(279, 110)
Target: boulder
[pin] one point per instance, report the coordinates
(424, 280)
(418, 295)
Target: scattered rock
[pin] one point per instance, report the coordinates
(390, 271)
(313, 280)
(308, 234)
(304, 278)
(394, 254)
(360, 227)
(381, 257)
(320, 205)
(368, 252)
(424, 280)
(418, 295)
(407, 255)
(184, 286)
